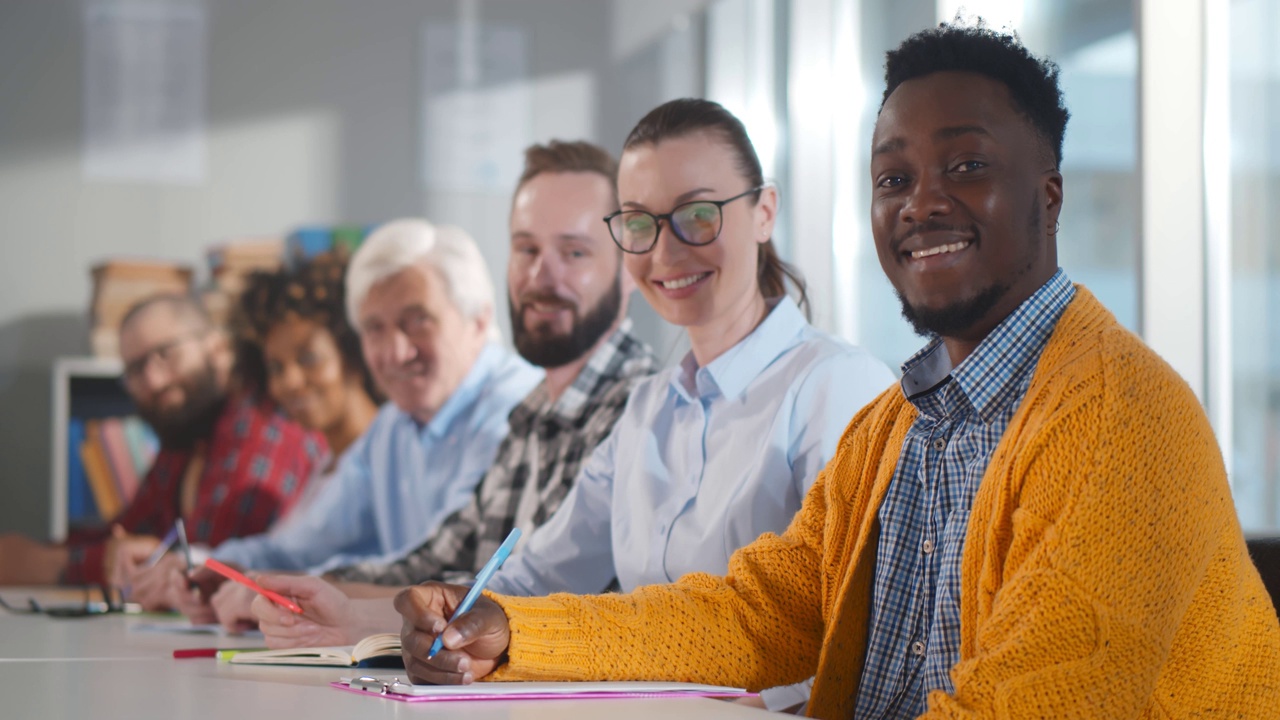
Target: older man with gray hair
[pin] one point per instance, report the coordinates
(421, 298)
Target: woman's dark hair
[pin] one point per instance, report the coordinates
(312, 291)
(685, 116)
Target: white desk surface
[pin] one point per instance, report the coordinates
(94, 668)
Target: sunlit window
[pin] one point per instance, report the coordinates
(1254, 447)
(1096, 48)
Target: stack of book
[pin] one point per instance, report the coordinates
(106, 461)
(230, 265)
(118, 285)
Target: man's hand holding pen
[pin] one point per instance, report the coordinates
(475, 643)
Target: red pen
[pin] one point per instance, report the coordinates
(183, 654)
(233, 574)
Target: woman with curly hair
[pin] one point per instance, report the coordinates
(295, 343)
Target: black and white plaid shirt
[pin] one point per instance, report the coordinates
(535, 466)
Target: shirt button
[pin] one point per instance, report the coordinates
(917, 648)
(927, 547)
(939, 444)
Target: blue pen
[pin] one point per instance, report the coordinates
(154, 557)
(162, 548)
(181, 527)
(482, 579)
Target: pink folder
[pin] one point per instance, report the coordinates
(532, 691)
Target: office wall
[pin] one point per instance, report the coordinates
(313, 117)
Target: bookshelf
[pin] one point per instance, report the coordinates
(85, 388)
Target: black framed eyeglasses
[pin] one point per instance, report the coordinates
(693, 223)
(166, 353)
(112, 602)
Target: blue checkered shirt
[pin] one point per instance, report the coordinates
(963, 413)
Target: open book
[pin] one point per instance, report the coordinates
(377, 651)
(394, 689)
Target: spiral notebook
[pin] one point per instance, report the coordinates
(394, 689)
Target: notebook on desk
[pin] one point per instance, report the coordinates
(376, 651)
(406, 692)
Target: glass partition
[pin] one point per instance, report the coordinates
(1096, 47)
(1253, 448)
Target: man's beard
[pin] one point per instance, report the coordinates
(954, 319)
(545, 350)
(183, 427)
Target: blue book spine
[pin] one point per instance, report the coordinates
(81, 507)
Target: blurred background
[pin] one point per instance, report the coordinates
(180, 130)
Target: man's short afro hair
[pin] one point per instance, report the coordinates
(1032, 82)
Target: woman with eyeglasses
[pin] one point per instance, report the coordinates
(708, 455)
(295, 344)
(723, 447)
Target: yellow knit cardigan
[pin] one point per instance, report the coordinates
(1104, 571)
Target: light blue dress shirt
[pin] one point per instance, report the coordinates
(702, 461)
(400, 479)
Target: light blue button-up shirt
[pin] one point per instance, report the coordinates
(702, 461)
(400, 479)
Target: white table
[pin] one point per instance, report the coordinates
(94, 668)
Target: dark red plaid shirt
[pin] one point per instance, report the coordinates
(256, 467)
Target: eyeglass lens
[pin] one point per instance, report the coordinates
(165, 353)
(695, 223)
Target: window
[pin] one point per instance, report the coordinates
(1096, 47)
(1253, 230)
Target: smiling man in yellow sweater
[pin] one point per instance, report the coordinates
(1036, 524)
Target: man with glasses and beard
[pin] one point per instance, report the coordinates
(567, 297)
(228, 464)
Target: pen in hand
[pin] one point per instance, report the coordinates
(163, 547)
(231, 573)
(122, 576)
(482, 579)
(181, 527)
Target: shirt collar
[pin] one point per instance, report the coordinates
(467, 391)
(992, 375)
(730, 373)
